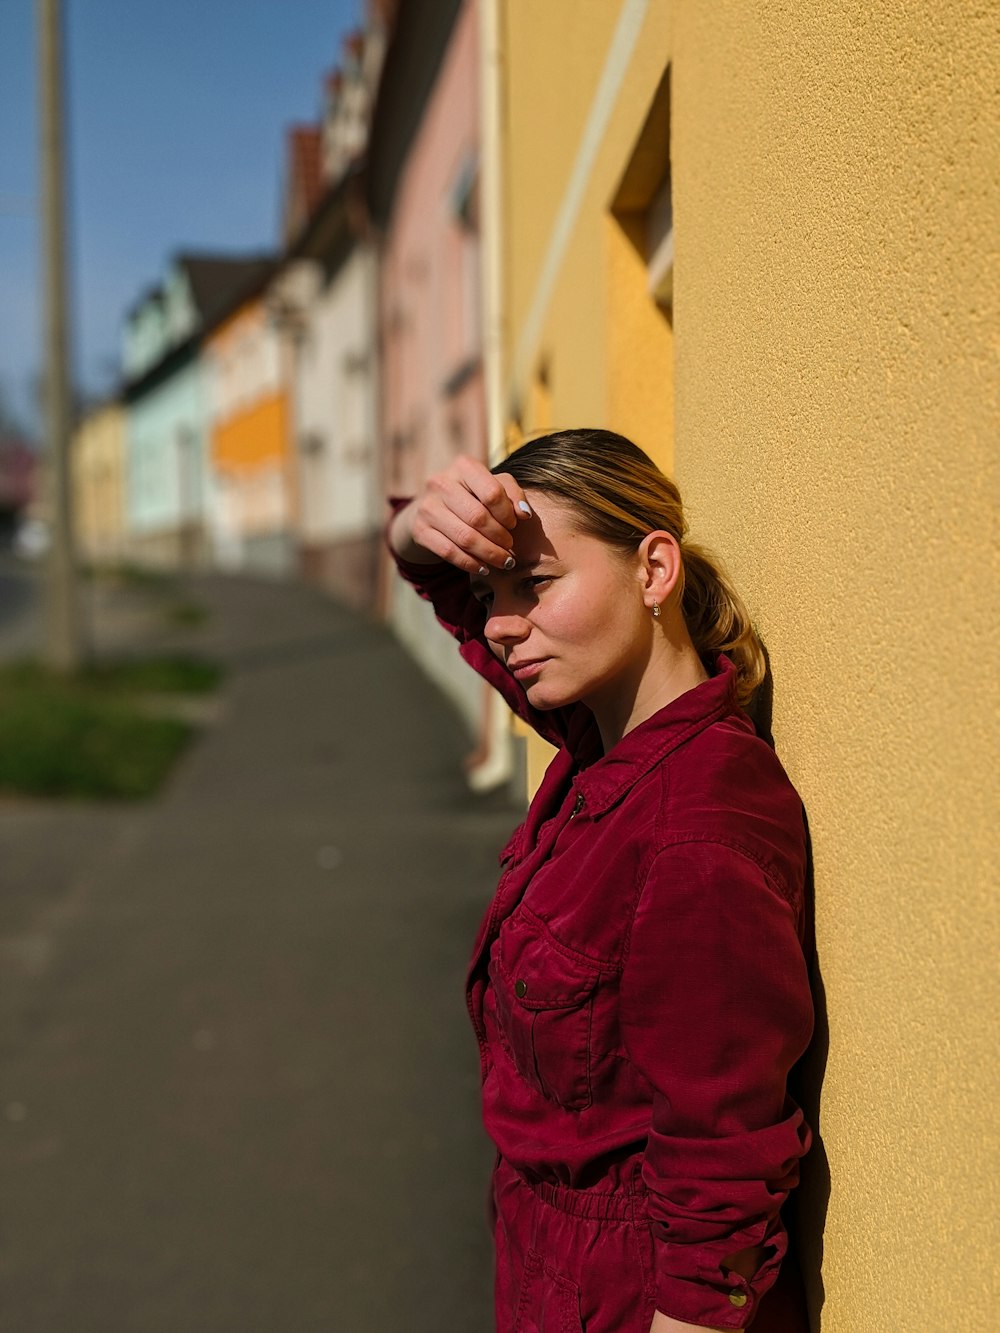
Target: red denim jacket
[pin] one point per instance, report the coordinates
(639, 986)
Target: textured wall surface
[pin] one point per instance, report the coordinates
(836, 208)
(836, 409)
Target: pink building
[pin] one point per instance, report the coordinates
(423, 196)
(429, 291)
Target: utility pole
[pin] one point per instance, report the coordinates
(63, 636)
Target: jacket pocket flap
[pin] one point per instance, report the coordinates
(540, 973)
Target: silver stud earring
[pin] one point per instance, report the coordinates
(656, 610)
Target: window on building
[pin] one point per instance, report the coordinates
(643, 203)
(640, 286)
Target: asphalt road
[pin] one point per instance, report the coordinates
(239, 1089)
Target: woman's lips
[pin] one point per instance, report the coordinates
(526, 670)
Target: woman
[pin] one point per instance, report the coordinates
(639, 987)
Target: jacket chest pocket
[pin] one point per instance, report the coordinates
(544, 999)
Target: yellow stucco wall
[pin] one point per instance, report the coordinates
(833, 389)
(836, 207)
(99, 483)
(599, 334)
(640, 352)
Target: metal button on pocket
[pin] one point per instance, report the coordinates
(520, 989)
(578, 804)
(738, 1299)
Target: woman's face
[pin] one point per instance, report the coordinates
(569, 621)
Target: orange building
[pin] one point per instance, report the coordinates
(250, 429)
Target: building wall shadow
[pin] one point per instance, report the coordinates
(805, 1213)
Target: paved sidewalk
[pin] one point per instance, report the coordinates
(239, 1089)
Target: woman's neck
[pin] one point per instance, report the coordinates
(671, 670)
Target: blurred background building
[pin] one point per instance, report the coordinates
(423, 196)
(758, 242)
(323, 302)
(99, 471)
(166, 368)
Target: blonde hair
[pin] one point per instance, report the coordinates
(619, 495)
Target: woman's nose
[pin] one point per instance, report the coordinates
(506, 629)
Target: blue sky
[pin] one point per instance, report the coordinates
(177, 114)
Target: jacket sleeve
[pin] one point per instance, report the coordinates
(449, 593)
(716, 1008)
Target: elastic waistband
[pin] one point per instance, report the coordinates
(620, 1204)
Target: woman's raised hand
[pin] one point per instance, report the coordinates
(465, 515)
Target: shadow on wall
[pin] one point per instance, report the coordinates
(805, 1214)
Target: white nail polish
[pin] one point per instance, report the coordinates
(484, 573)
(524, 507)
(509, 563)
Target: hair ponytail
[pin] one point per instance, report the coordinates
(618, 494)
(718, 620)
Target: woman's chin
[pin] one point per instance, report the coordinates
(545, 697)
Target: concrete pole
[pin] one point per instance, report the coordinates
(63, 637)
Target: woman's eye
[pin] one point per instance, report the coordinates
(537, 581)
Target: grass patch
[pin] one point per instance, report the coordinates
(139, 675)
(155, 675)
(89, 735)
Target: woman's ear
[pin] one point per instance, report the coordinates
(659, 567)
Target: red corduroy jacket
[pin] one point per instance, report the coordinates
(639, 986)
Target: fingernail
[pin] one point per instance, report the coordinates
(484, 573)
(509, 563)
(524, 507)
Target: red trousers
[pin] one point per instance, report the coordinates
(580, 1261)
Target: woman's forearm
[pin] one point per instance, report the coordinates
(663, 1323)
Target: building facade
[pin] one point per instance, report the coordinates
(757, 240)
(99, 485)
(323, 302)
(165, 392)
(250, 514)
(335, 379)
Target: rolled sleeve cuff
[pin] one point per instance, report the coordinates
(731, 1304)
(692, 1284)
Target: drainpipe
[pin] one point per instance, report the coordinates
(498, 766)
(491, 221)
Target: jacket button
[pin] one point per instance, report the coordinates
(578, 804)
(520, 989)
(738, 1299)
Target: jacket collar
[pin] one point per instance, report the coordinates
(611, 776)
